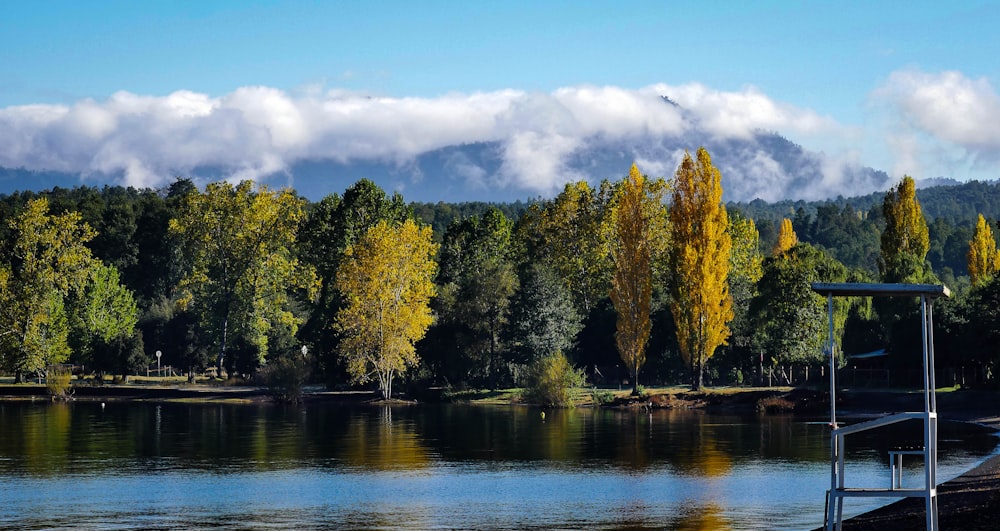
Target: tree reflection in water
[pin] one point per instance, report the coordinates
(376, 442)
(175, 465)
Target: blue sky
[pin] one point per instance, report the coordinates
(880, 77)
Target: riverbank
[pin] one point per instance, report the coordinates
(728, 399)
(214, 392)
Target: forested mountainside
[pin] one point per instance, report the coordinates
(956, 203)
(847, 228)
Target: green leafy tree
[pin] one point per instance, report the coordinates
(106, 322)
(109, 310)
(745, 271)
(571, 234)
(48, 261)
(699, 262)
(387, 281)
(789, 319)
(241, 272)
(478, 281)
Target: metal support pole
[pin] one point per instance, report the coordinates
(930, 416)
(833, 518)
(833, 365)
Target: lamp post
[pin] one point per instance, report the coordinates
(158, 354)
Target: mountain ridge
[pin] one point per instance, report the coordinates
(763, 165)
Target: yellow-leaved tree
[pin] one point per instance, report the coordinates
(906, 239)
(903, 253)
(386, 279)
(786, 238)
(640, 228)
(983, 257)
(699, 262)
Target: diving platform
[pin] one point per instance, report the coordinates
(834, 514)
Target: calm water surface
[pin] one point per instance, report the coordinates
(169, 466)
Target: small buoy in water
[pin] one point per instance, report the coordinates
(102, 405)
(543, 415)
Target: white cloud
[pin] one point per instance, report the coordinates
(943, 123)
(254, 132)
(741, 114)
(947, 105)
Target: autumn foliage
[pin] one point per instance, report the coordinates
(387, 281)
(984, 259)
(786, 238)
(905, 240)
(699, 262)
(638, 213)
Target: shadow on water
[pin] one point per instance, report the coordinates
(137, 465)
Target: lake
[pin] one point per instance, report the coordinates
(335, 466)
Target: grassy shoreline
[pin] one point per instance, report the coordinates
(144, 389)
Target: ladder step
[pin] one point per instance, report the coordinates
(878, 493)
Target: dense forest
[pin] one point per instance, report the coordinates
(252, 281)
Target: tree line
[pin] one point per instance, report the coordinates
(636, 280)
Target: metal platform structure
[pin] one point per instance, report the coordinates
(833, 519)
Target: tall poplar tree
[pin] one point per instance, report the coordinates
(786, 238)
(638, 212)
(983, 257)
(905, 240)
(387, 280)
(699, 262)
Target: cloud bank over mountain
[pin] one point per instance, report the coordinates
(512, 143)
